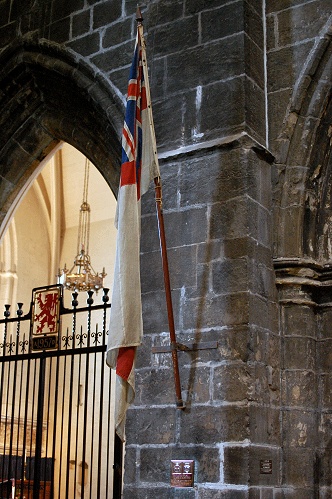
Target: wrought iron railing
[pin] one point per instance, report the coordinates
(64, 336)
(56, 439)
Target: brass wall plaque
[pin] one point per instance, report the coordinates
(266, 467)
(182, 473)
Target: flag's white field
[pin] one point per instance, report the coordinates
(139, 167)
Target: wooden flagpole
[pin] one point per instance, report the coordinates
(161, 227)
(163, 249)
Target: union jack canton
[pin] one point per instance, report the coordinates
(132, 129)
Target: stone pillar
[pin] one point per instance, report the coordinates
(305, 328)
(218, 228)
(324, 384)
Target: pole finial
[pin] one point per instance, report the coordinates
(139, 18)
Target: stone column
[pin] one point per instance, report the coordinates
(305, 330)
(218, 228)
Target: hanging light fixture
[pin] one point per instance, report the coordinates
(82, 277)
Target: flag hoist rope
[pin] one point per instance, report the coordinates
(162, 238)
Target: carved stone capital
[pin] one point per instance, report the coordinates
(304, 281)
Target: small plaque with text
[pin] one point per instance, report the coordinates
(182, 473)
(266, 467)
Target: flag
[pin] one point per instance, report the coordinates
(139, 166)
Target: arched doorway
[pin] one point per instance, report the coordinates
(76, 442)
(303, 271)
(49, 99)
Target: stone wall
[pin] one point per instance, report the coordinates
(299, 106)
(240, 91)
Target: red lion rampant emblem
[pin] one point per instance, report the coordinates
(47, 315)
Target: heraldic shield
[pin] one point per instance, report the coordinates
(45, 318)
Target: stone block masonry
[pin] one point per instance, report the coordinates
(248, 234)
(225, 295)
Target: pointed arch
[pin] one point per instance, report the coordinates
(303, 156)
(48, 96)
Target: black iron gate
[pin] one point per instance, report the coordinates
(56, 431)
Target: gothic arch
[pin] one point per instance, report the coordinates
(317, 226)
(48, 96)
(303, 165)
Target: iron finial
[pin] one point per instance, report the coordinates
(139, 17)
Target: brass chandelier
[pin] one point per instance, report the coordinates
(82, 277)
